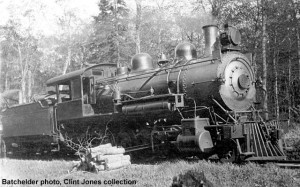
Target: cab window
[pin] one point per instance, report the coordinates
(64, 93)
(85, 89)
(89, 95)
(76, 89)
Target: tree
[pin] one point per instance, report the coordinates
(138, 25)
(31, 55)
(295, 11)
(159, 31)
(264, 58)
(73, 36)
(22, 53)
(109, 40)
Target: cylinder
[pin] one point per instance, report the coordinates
(201, 142)
(140, 108)
(210, 35)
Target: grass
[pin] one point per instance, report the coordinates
(159, 175)
(292, 140)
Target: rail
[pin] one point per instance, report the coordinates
(137, 148)
(292, 164)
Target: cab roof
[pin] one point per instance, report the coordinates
(69, 76)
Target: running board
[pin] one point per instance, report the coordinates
(262, 147)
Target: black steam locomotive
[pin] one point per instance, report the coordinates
(198, 106)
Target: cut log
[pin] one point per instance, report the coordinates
(113, 158)
(96, 149)
(100, 167)
(108, 151)
(116, 165)
(105, 145)
(113, 151)
(101, 158)
(76, 163)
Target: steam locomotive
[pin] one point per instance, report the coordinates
(198, 106)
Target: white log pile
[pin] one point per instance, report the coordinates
(103, 157)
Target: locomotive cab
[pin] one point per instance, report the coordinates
(76, 91)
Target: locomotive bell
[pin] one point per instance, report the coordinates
(163, 60)
(185, 50)
(141, 62)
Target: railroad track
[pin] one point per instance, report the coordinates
(137, 148)
(292, 164)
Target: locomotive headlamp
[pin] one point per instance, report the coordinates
(230, 38)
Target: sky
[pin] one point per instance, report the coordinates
(44, 14)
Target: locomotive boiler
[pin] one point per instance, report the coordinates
(196, 106)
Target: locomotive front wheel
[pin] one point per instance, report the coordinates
(230, 153)
(229, 157)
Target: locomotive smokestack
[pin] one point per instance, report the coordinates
(210, 35)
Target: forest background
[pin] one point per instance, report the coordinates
(34, 48)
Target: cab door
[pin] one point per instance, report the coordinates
(89, 95)
(69, 104)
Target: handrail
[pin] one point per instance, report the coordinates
(226, 111)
